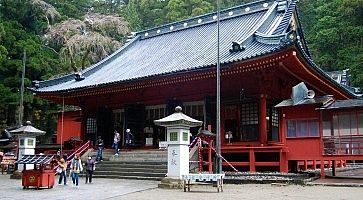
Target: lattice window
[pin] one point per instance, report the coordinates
(185, 136)
(91, 125)
(155, 112)
(194, 109)
(249, 121)
(249, 113)
(173, 136)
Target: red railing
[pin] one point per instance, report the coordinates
(80, 150)
(343, 145)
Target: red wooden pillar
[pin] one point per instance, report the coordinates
(282, 127)
(283, 162)
(305, 165)
(252, 161)
(314, 164)
(210, 168)
(262, 119)
(322, 169)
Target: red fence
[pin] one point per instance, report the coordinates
(343, 145)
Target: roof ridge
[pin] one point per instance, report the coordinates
(286, 18)
(225, 14)
(243, 42)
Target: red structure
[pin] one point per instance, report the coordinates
(69, 125)
(38, 178)
(263, 56)
(41, 176)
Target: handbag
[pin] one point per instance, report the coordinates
(59, 170)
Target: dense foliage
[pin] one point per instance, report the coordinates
(58, 37)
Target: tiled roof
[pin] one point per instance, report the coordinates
(341, 104)
(316, 100)
(246, 31)
(183, 46)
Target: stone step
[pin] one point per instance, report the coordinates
(133, 164)
(126, 163)
(139, 169)
(131, 174)
(152, 151)
(122, 159)
(129, 177)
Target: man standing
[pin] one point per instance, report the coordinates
(90, 167)
(99, 146)
(116, 140)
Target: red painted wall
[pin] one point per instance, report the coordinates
(302, 148)
(71, 126)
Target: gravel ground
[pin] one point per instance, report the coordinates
(116, 189)
(252, 192)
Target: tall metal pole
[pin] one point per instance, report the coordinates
(21, 108)
(62, 129)
(218, 125)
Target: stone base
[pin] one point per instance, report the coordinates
(16, 175)
(170, 183)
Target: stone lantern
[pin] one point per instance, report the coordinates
(178, 138)
(26, 141)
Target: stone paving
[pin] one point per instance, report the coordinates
(11, 189)
(118, 189)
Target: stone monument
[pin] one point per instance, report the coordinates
(178, 138)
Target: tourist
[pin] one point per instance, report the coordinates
(76, 167)
(100, 146)
(90, 167)
(62, 167)
(116, 140)
(129, 137)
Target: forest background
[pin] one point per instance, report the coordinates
(64, 36)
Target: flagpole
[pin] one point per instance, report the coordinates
(62, 129)
(218, 121)
(21, 108)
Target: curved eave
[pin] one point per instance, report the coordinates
(323, 75)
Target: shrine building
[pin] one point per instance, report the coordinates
(279, 110)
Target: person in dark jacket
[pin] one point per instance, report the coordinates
(99, 146)
(90, 167)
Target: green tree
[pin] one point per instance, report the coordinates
(336, 42)
(108, 6)
(131, 14)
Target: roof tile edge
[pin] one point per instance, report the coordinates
(206, 18)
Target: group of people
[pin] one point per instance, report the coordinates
(76, 167)
(115, 143)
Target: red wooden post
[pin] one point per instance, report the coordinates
(282, 128)
(210, 168)
(263, 123)
(305, 165)
(283, 162)
(322, 169)
(252, 161)
(200, 159)
(314, 164)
